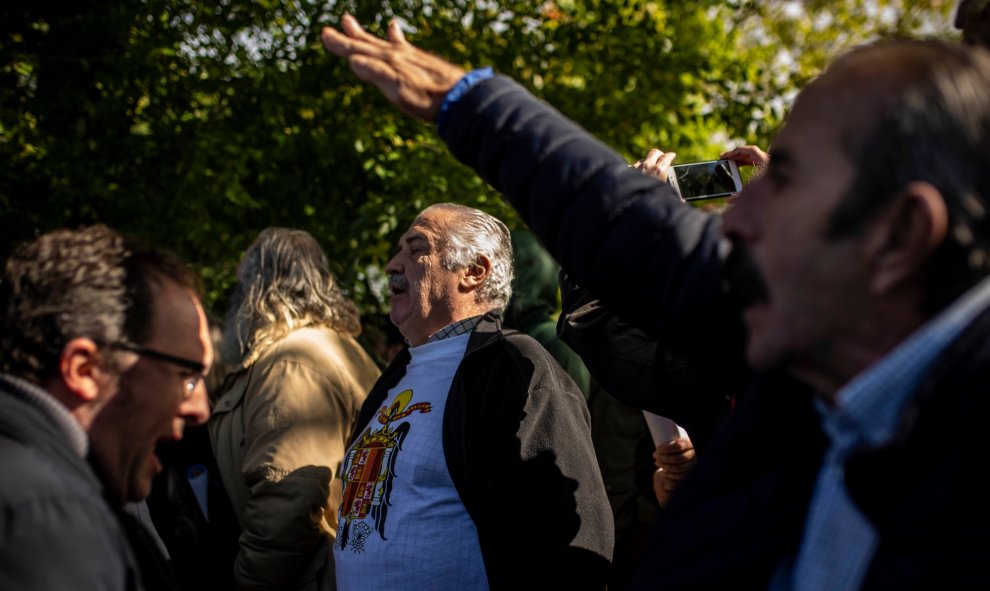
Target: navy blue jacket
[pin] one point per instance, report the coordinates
(627, 238)
(56, 529)
(623, 235)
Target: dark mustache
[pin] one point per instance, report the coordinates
(397, 282)
(743, 279)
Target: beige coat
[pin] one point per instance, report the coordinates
(279, 432)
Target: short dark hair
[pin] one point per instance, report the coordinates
(91, 282)
(931, 124)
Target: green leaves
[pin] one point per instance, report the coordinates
(196, 124)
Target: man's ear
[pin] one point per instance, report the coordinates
(476, 273)
(905, 236)
(80, 369)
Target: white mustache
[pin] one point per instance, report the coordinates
(397, 282)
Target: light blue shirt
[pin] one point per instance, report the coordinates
(839, 542)
(402, 524)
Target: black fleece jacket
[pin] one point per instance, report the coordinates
(517, 440)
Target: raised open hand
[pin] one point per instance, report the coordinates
(412, 79)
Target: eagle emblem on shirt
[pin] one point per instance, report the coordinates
(369, 471)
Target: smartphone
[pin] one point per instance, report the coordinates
(712, 179)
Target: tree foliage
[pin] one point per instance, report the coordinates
(195, 124)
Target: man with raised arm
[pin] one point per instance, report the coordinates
(858, 266)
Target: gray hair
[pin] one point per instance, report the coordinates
(284, 284)
(477, 233)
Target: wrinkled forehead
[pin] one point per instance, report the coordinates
(431, 224)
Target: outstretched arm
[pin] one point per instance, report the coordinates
(414, 80)
(623, 234)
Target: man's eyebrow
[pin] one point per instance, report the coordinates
(410, 241)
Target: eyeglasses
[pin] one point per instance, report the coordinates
(190, 383)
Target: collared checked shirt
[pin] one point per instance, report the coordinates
(455, 329)
(839, 542)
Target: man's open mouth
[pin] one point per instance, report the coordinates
(397, 284)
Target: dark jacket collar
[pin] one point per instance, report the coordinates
(489, 330)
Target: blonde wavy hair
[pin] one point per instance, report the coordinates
(284, 284)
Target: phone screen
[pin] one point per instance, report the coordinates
(705, 180)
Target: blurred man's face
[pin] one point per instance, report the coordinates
(153, 402)
(812, 284)
(425, 296)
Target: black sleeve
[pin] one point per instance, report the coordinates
(631, 366)
(624, 235)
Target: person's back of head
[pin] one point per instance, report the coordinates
(284, 284)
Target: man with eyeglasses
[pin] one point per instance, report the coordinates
(103, 347)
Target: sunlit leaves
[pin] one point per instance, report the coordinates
(196, 123)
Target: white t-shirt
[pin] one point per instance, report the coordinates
(402, 524)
